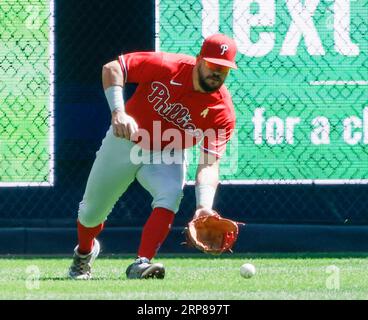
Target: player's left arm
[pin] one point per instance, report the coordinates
(212, 148)
(207, 179)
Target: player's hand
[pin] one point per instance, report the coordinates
(203, 212)
(124, 126)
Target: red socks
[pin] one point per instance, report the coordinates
(155, 232)
(86, 237)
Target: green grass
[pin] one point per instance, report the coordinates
(192, 277)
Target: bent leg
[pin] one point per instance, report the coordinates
(165, 184)
(110, 176)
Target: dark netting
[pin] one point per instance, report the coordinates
(91, 33)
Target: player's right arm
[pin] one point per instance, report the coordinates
(124, 126)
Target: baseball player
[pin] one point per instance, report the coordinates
(180, 101)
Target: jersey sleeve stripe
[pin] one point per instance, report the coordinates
(218, 155)
(123, 68)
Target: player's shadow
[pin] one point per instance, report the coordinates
(54, 278)
(66, 278)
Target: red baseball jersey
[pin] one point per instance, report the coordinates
(168, 109)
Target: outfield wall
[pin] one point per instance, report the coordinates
(254, 238)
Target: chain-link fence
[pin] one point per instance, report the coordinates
(300, 95)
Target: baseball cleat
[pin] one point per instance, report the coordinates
(142, 268)
(81, 266)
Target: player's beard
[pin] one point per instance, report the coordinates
(205, 82)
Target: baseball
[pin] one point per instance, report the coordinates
(247, 270)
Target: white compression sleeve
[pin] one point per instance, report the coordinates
(205, 194)
(114, 97)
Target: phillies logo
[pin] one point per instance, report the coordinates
(224, 48)
(175, 113)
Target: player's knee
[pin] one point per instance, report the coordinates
(90, 222)
(169, 200)
(88, 217)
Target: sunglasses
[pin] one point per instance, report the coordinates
(216, 67)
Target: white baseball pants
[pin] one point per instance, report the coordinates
(114, 170)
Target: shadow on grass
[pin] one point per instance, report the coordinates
(94, 279)
(64, 278)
